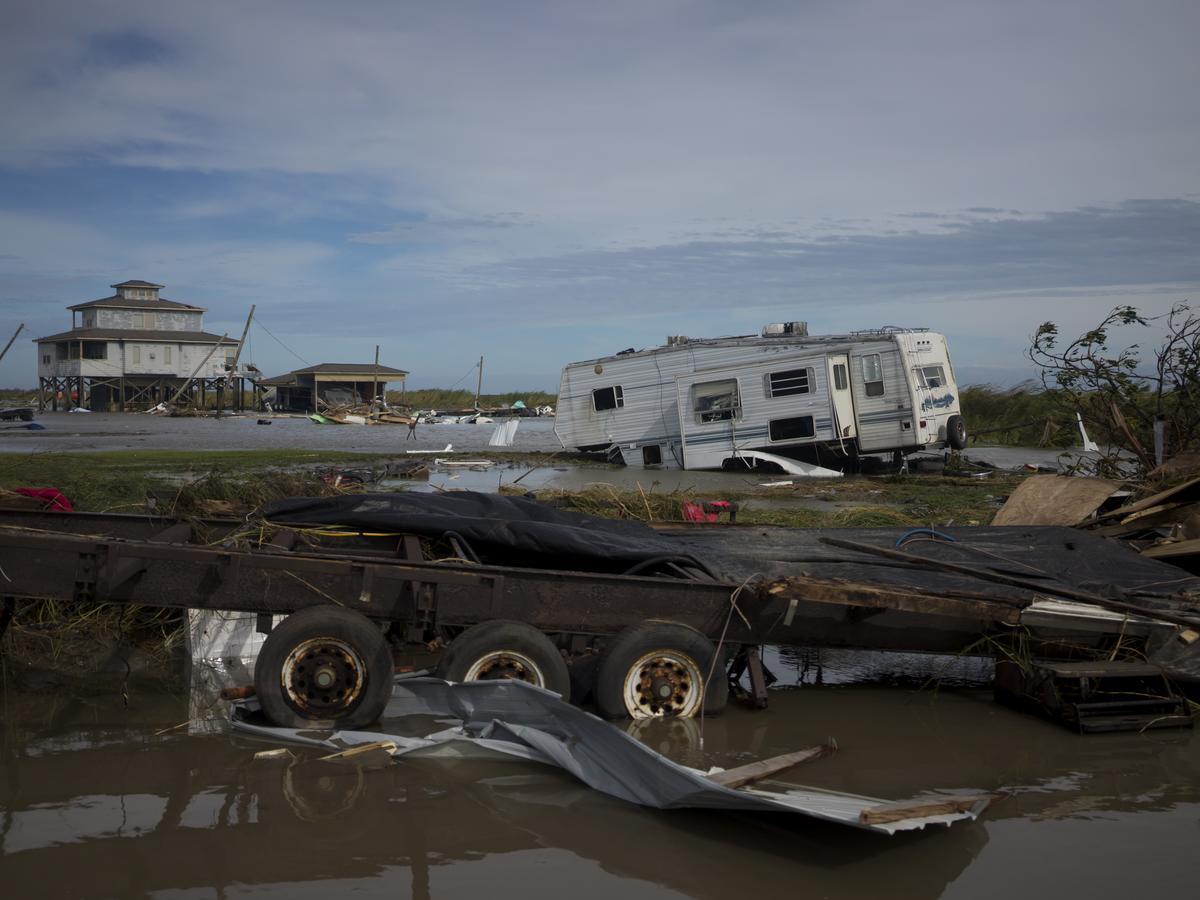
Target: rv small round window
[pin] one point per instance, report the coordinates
(599, 369)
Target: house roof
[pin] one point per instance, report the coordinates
(137, 283)
(136, 334)
(136, 303)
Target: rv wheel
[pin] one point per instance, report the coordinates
(506, 649)
(660, 670)
(324, 664)
(956, 432)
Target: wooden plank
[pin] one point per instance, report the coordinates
(919, 809)
(373, 749)
(1176, 548)
(765, 768)
(855, 594)
(1180, 493)
(1034, 586)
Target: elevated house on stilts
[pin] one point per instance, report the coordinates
(132, 351)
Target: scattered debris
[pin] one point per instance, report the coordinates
(504, 434)
(277, 753)
(1054, 500)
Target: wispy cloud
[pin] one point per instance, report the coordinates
(589, 173)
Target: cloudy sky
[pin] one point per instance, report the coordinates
(544, 182)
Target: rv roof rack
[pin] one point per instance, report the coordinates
(891, 329)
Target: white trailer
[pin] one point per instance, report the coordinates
(782, 395)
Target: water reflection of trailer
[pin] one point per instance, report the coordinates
(649, 636)
(701, 403)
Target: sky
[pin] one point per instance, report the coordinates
(544, 182)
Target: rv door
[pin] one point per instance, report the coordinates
(840, 397)
(710, 412)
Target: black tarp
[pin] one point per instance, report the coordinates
(1047, 554)
(512, 531)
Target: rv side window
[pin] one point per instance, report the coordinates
(872, 368)
(840, 381)
(608, 398)
(785, 384)
(716, 401)
(931, 376)
(791, 429)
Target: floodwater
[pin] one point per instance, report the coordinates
(75, 432)
(82, 432)
(98, 800)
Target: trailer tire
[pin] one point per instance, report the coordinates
(502, 648)
(956, 432)
(659, 670)
(324, 664)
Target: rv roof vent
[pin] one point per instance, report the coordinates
(799, 329)
(676, 339)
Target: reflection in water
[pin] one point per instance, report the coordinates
(96, 803)
(795, 666)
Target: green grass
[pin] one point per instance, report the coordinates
(115, 481)
(894, 501)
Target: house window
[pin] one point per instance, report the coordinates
(872, 369)
(840, 379)
(608, 398)
(716, 401)
(167, 355)
(45, 359)
(785, 384)
(95, 350)
(791, 429)
(137, 354)
(931, 376)
(143, 320)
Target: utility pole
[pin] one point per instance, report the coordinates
(203, 362)
(479, 386)
(20, 328)
(375, 381)
(236, 356)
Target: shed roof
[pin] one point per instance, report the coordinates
(137, 303)
(353, 371)
(136, 334)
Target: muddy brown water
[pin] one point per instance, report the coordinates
(98, 800)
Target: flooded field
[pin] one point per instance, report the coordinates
(98, 800)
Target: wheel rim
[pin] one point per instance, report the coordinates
(323, 677)
(663, 683)
(500, 664)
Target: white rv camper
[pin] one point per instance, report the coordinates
(784, 395)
